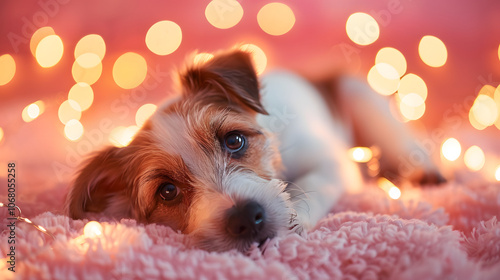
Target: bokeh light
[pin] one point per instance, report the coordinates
(497, 173)
(451, 149)
(391, 189)
(276, 18)
(143, 114)
(33, 111)
(86, 75)
(73, 130)
(412, 83)
(92, 229)
(499, 52)
(129, 70)
(121, 136)
(202, 58)
(69, 110)
(484, 110)
(223, 14)
(383, 78)
(258, 56)
(90, 51)
(1, 134)
(164, 37)
(49, 51)
(472, 120)
(7, 69)
(83, 94)
(38, 36)
(474, 158)
(362, 29)
(432, 51)
(392, 57)
(360, 154)
(412, 106)
(496, 97)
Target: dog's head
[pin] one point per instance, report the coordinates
(201, 164)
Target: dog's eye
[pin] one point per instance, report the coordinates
(234, 142)
(168, 191)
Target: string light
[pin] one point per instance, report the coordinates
(360, 154)
(1, 134)
(143, 113)
(38, 36)
(92, 229)
(122, 136)
(412, 107)
(129, 70)
(7, 69)
(432, 51)
(497, 173)
(86, 75)
(362, 29)
(451, 149)
(69, 110)
(19, 217)
(49, 51)
(276, 19)
(383, 78)
(90, 51)
(163, 37)
(258, 56)
(202, 58)
(412, 83)
(484, 110)
(474, 158)
(387, 186)
(83, 94)
(392, 57)
(33, 111)
(73, 130)
(224, 14)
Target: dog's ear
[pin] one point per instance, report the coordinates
(227, 76)
(101, 187)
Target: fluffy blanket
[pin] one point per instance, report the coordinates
(446, 232)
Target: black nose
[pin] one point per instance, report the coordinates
(246, 220)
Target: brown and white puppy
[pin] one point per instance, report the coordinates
(231, 166)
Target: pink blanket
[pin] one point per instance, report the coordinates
(447, 232)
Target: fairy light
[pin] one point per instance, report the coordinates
(224, 14)
(451, 149)
(1, 134)
(484, 110)
(33, 111)
(163, 37)
(412, 83)
(73, 130)
(83, 94)
(121, 136)
(496, 97)
(497, 173)
(7, 69)
(92, 229)
(412, 107)
(143, 113)
(258, 56)
(86, 75)
(360, 154)
(28, 221)
(362, 29)
(474, 158)
(129, 70)
(202, 58)
(49, 51)
(392, 57)
(69, 110)
(387, 186)
(276, 19)
(90, 51)
(432, 51)
(383, 78)
(38, 36)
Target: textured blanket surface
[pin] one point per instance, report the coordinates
(446, 232)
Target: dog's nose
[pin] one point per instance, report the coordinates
(246, 220)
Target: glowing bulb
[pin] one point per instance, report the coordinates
(90, 51)
(389, 188)
(498, 51)
(361, 154)
(451, 149)
(497, 173)
(83, 94)
(472, 119)
(258, 56)
(49, 51)
(223, 14)
(412, 106)
(143, 114)
(164, 37)
(1, 134)
(383, 78)
(92, 229)
(42, 228)
(122, 136)
(276, 19)
(485, 110)
(32, 111)
(392, 57)
(69, 110)
(362, 29)
(7, 69)
(412, 83)
(202, 58)
(73, 130)
(474, 158)
(432, 51)
(38, 36)
(129, 70)
(86, 75)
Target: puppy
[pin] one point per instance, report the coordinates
(231, 165)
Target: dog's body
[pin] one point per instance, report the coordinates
(230, 166)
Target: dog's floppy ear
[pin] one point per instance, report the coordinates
(100, 187)
(229, 75)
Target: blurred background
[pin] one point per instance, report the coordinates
(78, 75)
